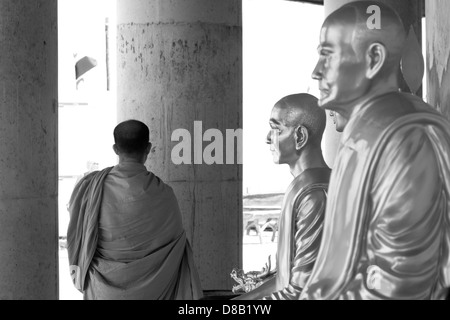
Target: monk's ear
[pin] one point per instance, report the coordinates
(301, 137)
(149, 148)
(116, 149)
(376, 58)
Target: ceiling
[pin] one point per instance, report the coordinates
(320, 2)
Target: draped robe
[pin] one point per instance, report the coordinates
(301, 225)
(387, 231)
(126, 239)
(299, 236)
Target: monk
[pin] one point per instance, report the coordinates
(125, 237)
(297, 125)
(387, 232)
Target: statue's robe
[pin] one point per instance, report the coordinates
(299, 235)
(387, 231)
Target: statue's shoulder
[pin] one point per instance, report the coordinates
(386, 109)
(385, 112)
(398, 104)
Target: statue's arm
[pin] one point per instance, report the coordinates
(309, 214)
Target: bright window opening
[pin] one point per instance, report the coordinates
(279, 54)
(87, 105)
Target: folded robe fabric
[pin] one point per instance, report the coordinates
(82, 233)
(386, 232)
(141, 250)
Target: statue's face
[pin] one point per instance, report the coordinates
(340, 70)
(281, 138)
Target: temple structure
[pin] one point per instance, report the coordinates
(178, 61)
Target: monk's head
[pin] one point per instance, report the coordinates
(131, 139)
(360, 50)
(297, 124)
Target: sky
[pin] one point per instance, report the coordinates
(87, 115)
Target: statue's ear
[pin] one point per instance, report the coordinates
(376, 58)
(301, 137)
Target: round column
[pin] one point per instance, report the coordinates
(180, 70)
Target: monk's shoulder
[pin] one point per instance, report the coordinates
(164, 187)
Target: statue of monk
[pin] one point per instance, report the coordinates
(297, 126)
(387, 228)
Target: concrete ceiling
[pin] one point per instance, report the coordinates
(319, 2)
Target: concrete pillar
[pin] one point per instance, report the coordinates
(411, 13)
(180, 61)
(28, 149)
(438, 54)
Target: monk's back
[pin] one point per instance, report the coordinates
(139, 214)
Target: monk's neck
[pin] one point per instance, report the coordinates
(310, 158)
(126, 159)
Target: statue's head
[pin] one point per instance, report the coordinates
(360, 50)
(297, 124)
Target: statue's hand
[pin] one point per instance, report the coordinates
(265, 272)
(248, 281)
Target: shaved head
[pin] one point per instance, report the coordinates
(391, 33)
(358, 59)
(131, 137)
(302, 109)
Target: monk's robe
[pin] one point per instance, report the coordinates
(126, 239)
(299, 235)
(387, 231)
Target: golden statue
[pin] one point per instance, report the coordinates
(297, 126)
(387, 222)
